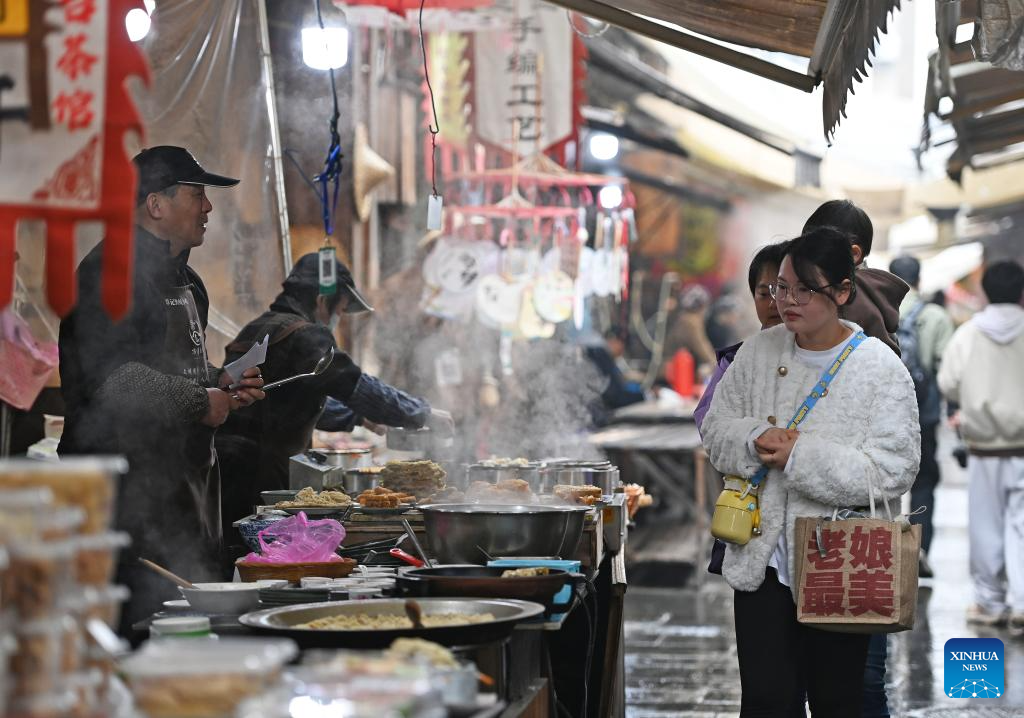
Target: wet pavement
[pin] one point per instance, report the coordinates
(681, 655)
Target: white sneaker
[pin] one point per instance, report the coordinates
(981, 616)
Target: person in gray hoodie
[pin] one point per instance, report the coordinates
(980, 371)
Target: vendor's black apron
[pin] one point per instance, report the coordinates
(185, 355)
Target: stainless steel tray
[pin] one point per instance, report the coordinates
(283, 621)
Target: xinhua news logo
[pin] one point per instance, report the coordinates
(974, 668)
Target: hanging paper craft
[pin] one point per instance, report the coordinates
(456, 266)
(62, 131)
(498, 301)
(553, 296)
(531, 324)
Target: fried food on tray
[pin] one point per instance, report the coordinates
(309, 498)
(417, 649)
(580, 495)
(528, 572)
(387, 622)
(420, 478)
(518, 486)
(381, 498)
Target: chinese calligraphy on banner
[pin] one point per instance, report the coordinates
(858, 571)
(64, 114)
(525, 76)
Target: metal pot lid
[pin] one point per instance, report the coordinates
(530, 466)
(340, 452)
(579, 464)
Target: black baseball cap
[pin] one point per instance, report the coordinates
(306, 274)
(166, 165)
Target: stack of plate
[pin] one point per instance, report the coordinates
(274, 597)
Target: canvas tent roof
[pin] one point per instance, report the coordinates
(837, 37)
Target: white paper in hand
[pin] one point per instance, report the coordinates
(256, 355)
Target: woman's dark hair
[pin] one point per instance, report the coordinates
(1003, 282)
(848, 218)
(826, 251)
(769, 255)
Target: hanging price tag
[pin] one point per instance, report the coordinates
(434, 206)
(328, 275)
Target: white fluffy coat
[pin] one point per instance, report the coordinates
(866, 428)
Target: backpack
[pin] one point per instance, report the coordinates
(925, 385)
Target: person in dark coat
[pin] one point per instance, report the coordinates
(143, 388)
(255, 444)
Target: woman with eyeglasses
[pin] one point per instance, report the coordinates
(864, 429)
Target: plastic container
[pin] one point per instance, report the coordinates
(40, 577)
(37, 660)
(86, 483)
(184, 627)
(46, 705)
(96, 557)
(203, 679)
(103, 603)
(90, 692)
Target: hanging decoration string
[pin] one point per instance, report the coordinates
(329, 180)
(434, 128)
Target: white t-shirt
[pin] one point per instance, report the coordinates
(819, 360)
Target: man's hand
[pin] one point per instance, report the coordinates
(220, 407)
(775, 445)
(954, 421)
(441, 423)
(246, 391)
(375, 428)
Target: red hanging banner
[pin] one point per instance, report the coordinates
(64, 114)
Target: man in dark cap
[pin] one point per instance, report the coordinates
(142, 387)
(255, 444)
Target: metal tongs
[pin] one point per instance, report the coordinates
(320, 368)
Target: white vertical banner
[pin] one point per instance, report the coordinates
(52, 156)
(524, 74)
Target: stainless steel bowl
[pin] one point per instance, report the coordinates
(531, 473)
(356, 481)
(468, 533)
(581, 473)
(345, 458)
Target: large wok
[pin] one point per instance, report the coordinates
(484, 582)
(283, 622)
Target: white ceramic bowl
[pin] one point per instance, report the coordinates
(223, 598)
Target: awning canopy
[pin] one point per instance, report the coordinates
(837, 36)
(986, 114)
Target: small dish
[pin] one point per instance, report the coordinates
(177, 606)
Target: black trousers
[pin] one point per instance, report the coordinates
(922, 493)
(780, 659)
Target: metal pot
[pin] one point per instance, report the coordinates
(356, 481)
(469, 533)
(345, 458)
(581, 473)
(531, 473)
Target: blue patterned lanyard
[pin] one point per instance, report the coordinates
(819, 390)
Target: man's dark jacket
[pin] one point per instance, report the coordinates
(125, 396)
(255, 443)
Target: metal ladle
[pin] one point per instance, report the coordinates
(321, 366)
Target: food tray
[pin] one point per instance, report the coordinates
(312, 511)
(294, 572)
(379, 511)
(283, 621)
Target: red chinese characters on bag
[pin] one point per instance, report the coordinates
(830, 587)
(62, 157)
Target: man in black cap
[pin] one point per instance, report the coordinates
(142, 387)
(254, 445)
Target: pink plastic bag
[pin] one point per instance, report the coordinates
(299, 540)
(27, 363)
